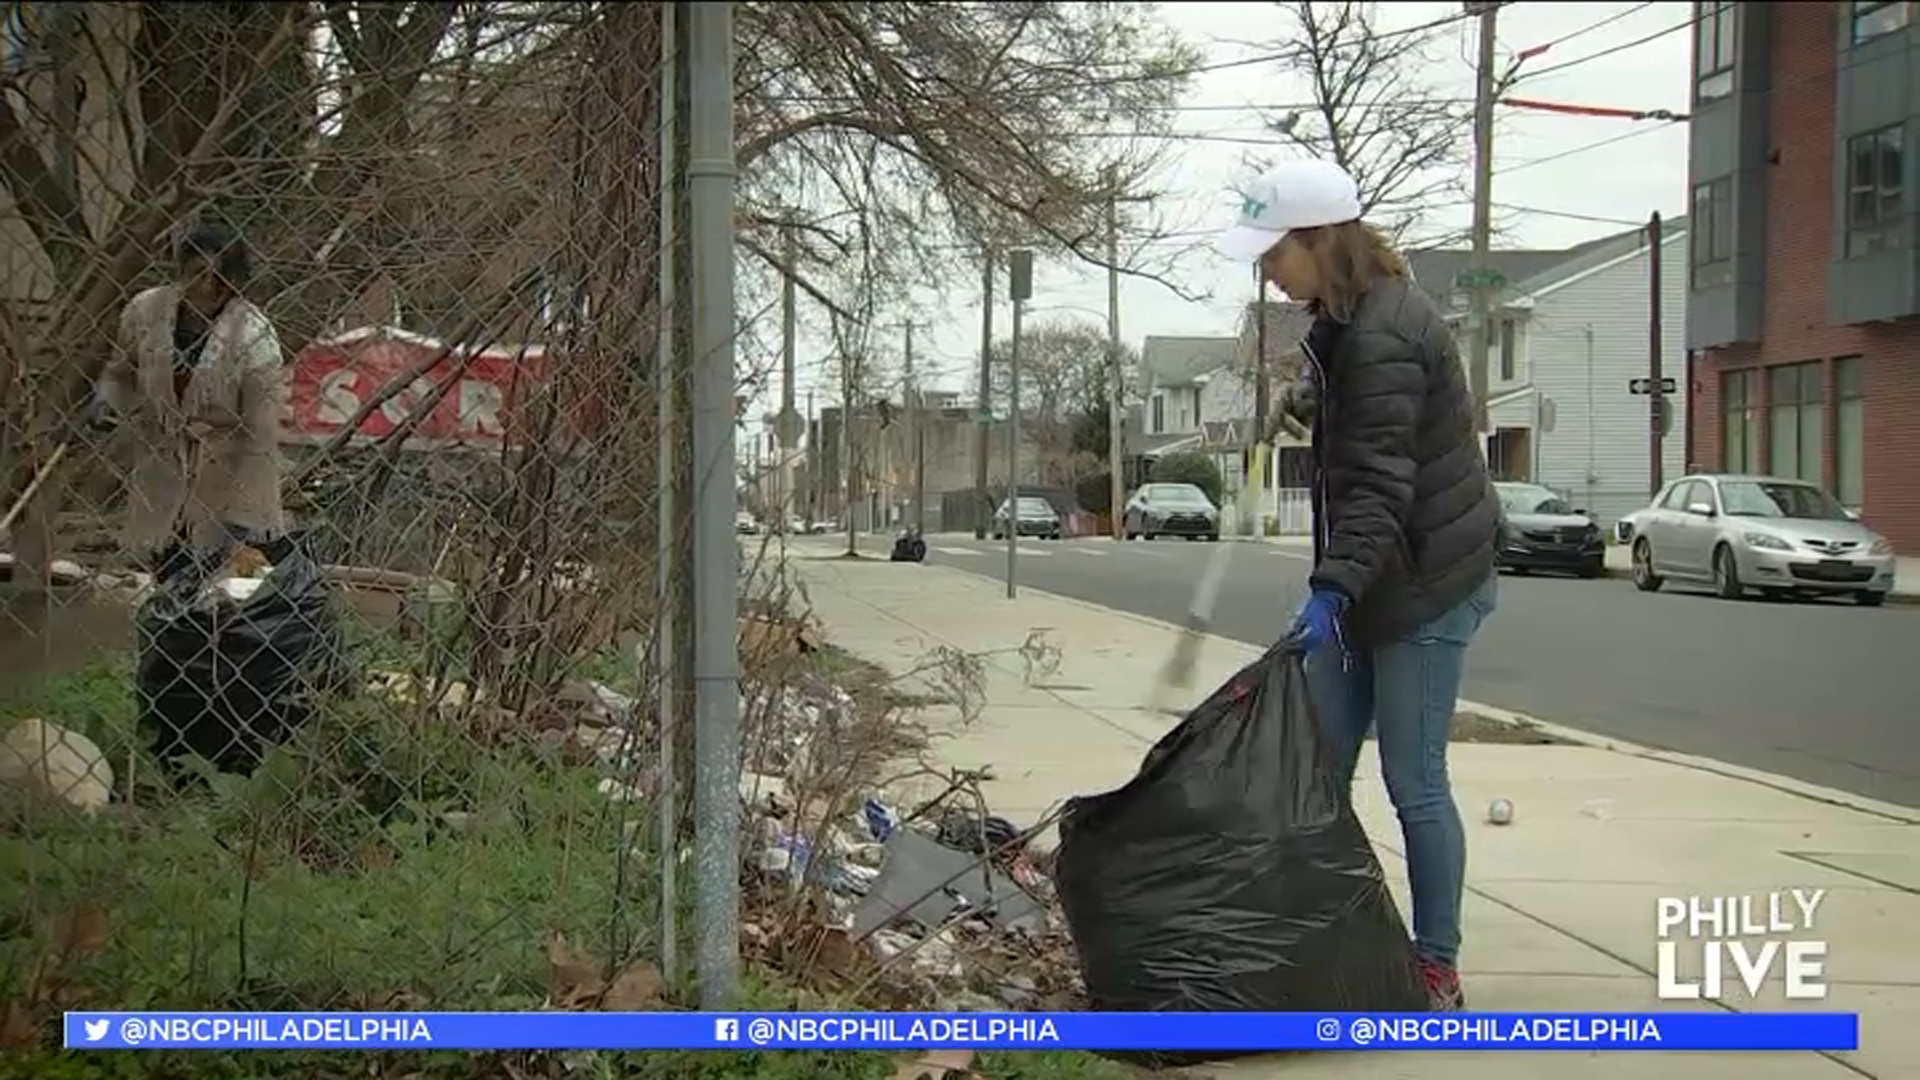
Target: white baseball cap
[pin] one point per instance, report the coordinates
(1292, 195)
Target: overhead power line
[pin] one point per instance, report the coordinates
(1613, 51)
(1541, 50)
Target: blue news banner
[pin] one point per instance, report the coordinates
(984, 1031)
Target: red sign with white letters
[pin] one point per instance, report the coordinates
(332, 380)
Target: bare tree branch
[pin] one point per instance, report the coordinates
(1374, 113)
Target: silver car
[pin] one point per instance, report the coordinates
(1737, 533)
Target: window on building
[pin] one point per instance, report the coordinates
(1710, 231)
(1876, 190)
(1740, 427)
(1509, 350)
(1870, 20)
(1158, 419)
(1713, 42)
(1849, 434)
(1197, 391)
(1794, 414)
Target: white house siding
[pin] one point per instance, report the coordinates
(1598, 453)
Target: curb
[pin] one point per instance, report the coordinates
(1861, 804)
(1896, 598)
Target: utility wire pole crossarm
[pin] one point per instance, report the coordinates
(1482, 284)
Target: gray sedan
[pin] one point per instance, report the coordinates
(1170, 510)
(1737, 533)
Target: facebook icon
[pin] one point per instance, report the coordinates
(726, 1029)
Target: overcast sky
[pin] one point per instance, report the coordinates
(1559, 180)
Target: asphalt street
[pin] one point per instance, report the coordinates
(1824, 692)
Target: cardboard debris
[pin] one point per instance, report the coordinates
(762, 636)
(926, 883)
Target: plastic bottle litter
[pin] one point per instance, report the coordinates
(880, 819)
(1500, 812)
(1597, 809)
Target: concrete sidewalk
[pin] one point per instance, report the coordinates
(1560, 909)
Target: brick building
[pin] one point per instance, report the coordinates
(1803, 312)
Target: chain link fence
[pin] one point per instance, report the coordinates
(331, 404)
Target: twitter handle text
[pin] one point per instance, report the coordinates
(259, 1031)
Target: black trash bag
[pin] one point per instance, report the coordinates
(1231, 874)
(909, 547)
(227, 686)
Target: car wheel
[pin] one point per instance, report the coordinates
(1726, 575)
(1147, 536)
(1594, 569)
(1644, 578)
(1869, 598)
(1213, 538)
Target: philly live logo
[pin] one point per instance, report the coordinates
(1748, 940)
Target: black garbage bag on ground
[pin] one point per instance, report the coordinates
(1230, 874)
(227, 683)
(909, 547)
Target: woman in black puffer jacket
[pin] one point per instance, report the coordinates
(1406, 524)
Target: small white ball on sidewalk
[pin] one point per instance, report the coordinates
(1500, 812)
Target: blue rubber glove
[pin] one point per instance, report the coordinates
(1318, 621)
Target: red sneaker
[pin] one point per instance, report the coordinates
(1443, 987)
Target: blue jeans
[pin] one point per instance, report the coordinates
(1407, 691)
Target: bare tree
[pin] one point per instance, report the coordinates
(1371, 109)
(1063, 395)
(913, 137)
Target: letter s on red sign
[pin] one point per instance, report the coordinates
(337, 401)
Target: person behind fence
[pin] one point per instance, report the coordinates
(196, 381)
(1406, 522)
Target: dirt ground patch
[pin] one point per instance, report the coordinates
(60, 632)
(1472, 727)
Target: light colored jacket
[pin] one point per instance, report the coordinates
(212, 457)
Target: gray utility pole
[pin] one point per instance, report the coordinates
(787, 428)
(666, 437)
(984, 408)
(1019, 290)
(1481, 330)
(813, 465)
(1262, 399)
(846, 450)
(916, 438)
(1656, 365)
(716, 658)
(1116, 382)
